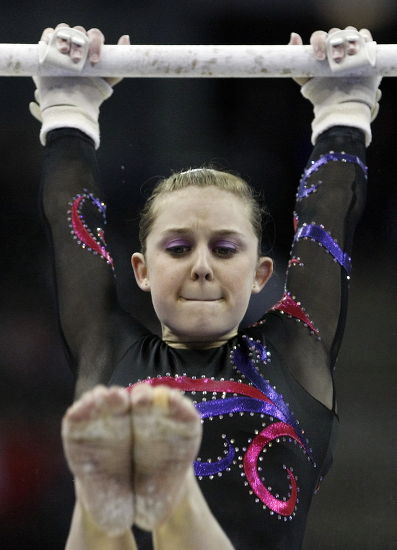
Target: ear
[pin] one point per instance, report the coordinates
(263, 272)
(138, 263)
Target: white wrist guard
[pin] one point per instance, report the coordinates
(69, 102)
(351, 101)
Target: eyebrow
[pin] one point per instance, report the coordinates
(184, 230)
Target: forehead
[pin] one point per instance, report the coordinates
(208, 207)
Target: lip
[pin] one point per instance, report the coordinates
(200, 299)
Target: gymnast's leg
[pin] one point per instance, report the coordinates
(146, 440)
(96, 433)
(168, 501)
(85, 534)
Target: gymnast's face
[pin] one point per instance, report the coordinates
(201, 265)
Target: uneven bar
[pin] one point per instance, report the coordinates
(183, 61)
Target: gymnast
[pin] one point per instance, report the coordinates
(210, 436)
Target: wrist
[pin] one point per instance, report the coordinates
(343, 102)
(71, 102)
(68, 116)
(351, 114)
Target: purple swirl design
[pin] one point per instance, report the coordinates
(232, 405)
(204, 469)
(284, 413)
(258, 398)
(318, 234)
(304, 191)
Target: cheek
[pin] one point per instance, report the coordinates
(243, 293)
(164, 277)
(241, 276)
(240, 292)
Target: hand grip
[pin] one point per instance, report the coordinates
(49, 55)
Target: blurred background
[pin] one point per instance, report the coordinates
(258, 128)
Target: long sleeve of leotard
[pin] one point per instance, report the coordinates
(330, 200)
(93, 326)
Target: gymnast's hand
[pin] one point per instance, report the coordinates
(72, 102)
(339, 100)
(350, 43)
(67, 45)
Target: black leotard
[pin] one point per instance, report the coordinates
(266, 397)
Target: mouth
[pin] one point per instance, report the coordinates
(183, 299)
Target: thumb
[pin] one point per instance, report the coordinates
(296, 40)
(122, 41)
(35, 111)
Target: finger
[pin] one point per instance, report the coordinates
(338, 53)
(80, 28)
(47, 34)
(124, 40)
(62, 43)
(352, 41)
(295, 40)
(337, 46)
(76, 47)
(352, 47)
(97, 40)
(366, 34)
(35, 111)
(318, 43)
(61, 25)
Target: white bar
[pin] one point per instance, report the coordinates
(155, 61)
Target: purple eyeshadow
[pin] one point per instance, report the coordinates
(176, 242)
(226, 244)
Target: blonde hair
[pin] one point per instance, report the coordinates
(201, 177)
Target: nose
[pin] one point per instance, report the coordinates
(202, 268)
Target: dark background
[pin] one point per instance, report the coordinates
(258, 128)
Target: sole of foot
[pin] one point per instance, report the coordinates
(167, 433)
(96, 433)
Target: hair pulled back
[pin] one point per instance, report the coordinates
(201, 177)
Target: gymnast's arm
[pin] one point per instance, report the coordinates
(93, 326)
(330, 201)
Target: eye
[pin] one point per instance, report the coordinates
(177, 250)
(177, 247)
(225, 249)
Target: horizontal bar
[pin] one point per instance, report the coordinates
(156, 61)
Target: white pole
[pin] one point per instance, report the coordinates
(155, 61)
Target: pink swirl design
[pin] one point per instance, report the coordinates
(185, 383)
(295, 261)
(281, 507)
(290, 306)
(80, 230)
(266, 436)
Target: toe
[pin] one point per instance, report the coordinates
(117, 400)
(141, 397)
(182, 408)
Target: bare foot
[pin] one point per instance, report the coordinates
(166, 433)
(96, 432)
